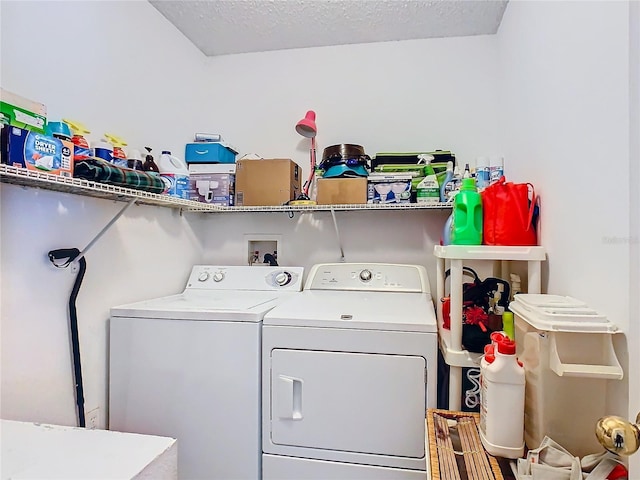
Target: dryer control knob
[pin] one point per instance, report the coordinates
(218, 276)
(203, 277)
(365, 275)
(283, 278)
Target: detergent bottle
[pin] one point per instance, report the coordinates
(102, 149)
(81, 150)
(502, 401)
(119, 155)
(175, 174)
(467, 215)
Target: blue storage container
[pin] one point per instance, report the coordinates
(209, 152)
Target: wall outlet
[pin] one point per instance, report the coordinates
(92, 418)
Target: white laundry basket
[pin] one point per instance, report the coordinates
(567, 351)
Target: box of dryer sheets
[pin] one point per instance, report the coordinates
(34, 151)
(389, 188)
(268, 181)
(212, 183)
(341, 191)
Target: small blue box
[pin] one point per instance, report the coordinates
(209, 152)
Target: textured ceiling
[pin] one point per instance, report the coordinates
(222, 27)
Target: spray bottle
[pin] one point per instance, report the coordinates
(452, 187)
(82, 150)
(447, 178)
(119, 155)
(428, 190)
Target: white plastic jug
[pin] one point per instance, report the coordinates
(175, 174)
(502, 402)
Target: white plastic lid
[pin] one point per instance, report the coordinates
(560, 314)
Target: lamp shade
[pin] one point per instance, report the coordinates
(307, 126)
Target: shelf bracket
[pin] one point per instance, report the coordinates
(335, 225)
(75, 261)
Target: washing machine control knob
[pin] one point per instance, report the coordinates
(365, 275)
(218, 276)
(203, 277)
(283, 278)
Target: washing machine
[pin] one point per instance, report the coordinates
(187, 366)
(348, 370)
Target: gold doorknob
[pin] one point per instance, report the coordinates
(619, 435)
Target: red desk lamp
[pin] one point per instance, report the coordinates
(307, 128)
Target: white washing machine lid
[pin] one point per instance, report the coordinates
(239, 306)
(392, 311)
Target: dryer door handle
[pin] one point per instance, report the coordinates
(288, 398)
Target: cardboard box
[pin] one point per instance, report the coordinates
(21, 112)
(34, 151)
(341, 191)
(209, 152)
(389, 188)
(273, 181)
(212, 188)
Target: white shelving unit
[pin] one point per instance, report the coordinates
(451, 340)
(30, 178)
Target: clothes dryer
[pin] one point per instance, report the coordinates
(348, 370)
(187, 366)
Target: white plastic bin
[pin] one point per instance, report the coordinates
(567, 351)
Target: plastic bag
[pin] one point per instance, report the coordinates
(509, 214)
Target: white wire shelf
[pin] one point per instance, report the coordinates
(77, 186)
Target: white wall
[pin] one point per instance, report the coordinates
(117, 67)
(394, 96)
(565, 118)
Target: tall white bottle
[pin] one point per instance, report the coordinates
(502, 402)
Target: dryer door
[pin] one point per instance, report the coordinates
(352, 402)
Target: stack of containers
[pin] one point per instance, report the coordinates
(212, 170)
(567, 351)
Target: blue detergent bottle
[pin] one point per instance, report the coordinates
(467, 215)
